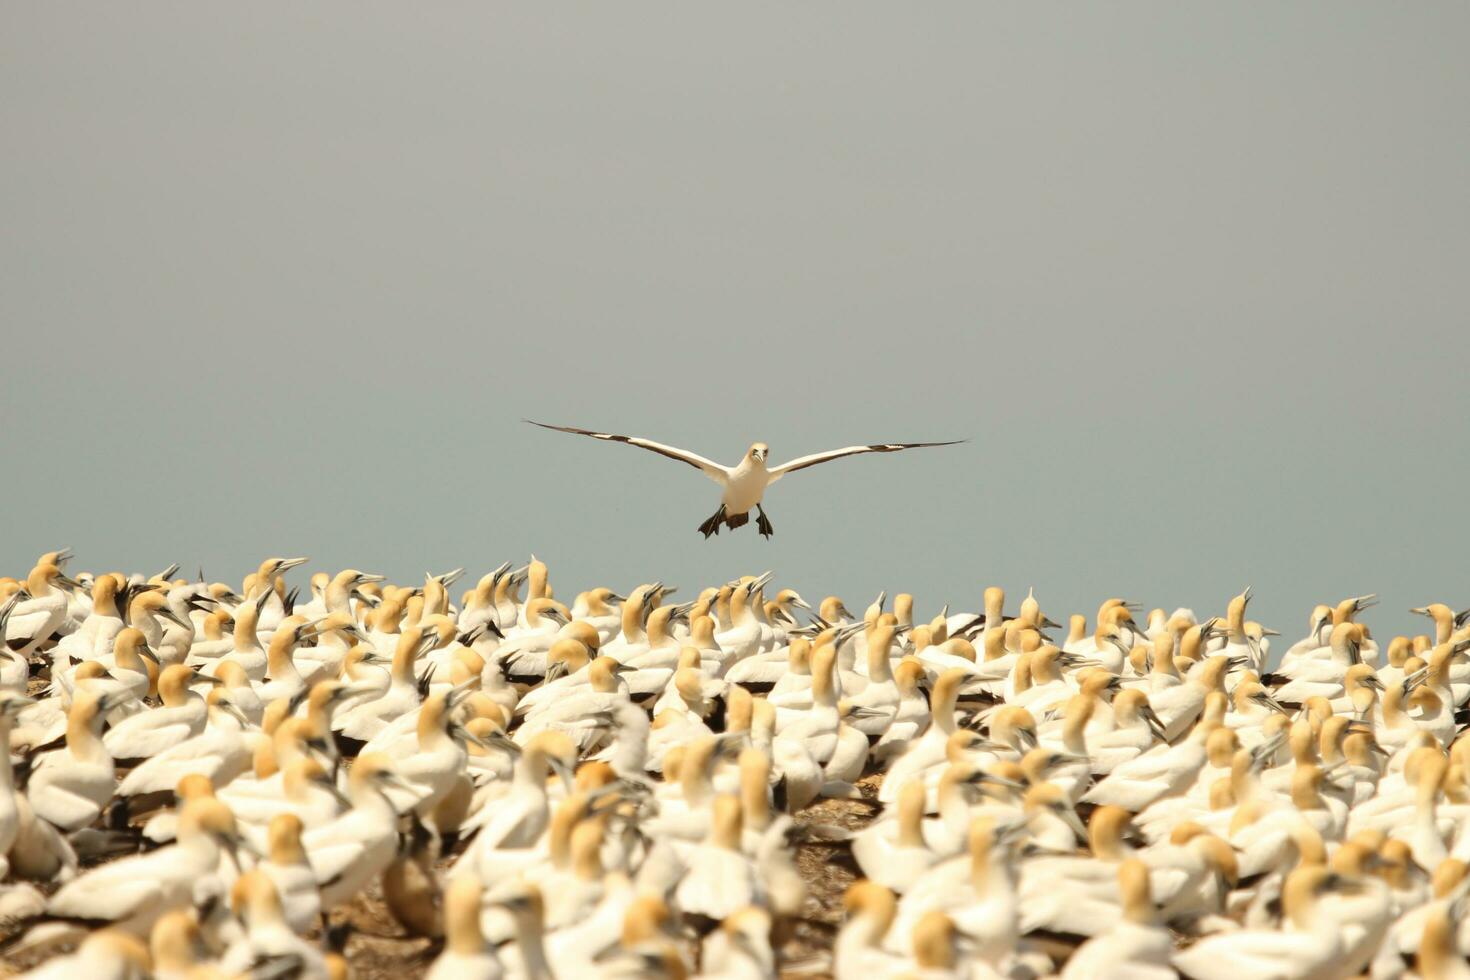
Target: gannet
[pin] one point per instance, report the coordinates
(134, 892)
(745, 483)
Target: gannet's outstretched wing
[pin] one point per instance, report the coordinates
(710, 469)
(802, 462)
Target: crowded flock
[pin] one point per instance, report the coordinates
(203, 779)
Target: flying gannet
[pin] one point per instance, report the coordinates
(744, 484)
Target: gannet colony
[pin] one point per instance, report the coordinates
(210, 779)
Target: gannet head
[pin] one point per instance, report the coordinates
(758, 452)
(868, 897)
(176, 942)
(272, 567)
(206, 816)
(933, 941)
(254, 896)
(374, 771)
(284, 839)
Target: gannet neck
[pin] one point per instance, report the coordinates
(657, 629)
(104, 597)
(1235, 616)
(723, 600)
(726, 823)
(279, 662)
(1133, 883)
(463, 935)
(564, 820)
(702, 633)
(694, 772)
(1306, 785)
(405, 654)
(798, 656)
(755, 802)
(1076, 715)
(632, 615)
(903, 609)
(911, 803)
(39, 581)
(823, 691)
(880, 649)
(943, 697)
(871, 909)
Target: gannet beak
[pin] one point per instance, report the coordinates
(331, 787)
(462, 690)
(994, 780)
(1010, 833)
(1070, 818)
(245, 845)
(200, 603)
(173, 617)
(462, 733)
(562, 770)
(351, 691)
(394, 781)
(111, 700)
(286, 564)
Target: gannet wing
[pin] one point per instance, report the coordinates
(802, 462)
(710, 469)
(111, 892)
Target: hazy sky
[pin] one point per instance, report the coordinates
(1193, 278)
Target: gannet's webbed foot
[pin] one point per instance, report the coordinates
(762, 522)
(712, 526)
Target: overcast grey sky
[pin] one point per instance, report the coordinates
(1193, 278)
